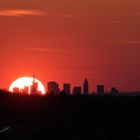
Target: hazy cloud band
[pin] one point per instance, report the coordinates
(20, 12)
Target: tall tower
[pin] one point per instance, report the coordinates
(33, 79)
(86, 87)
(34, 86)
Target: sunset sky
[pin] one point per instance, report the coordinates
(68, 40)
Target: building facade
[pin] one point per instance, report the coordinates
(86, 87)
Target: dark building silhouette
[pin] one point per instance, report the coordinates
(53, 87)
(77, 90)
(25, 90)
(114, 91)
(34, 86)
(63, 93)
(100, 90)
(16, 90)
(66, 88)
(86, 87)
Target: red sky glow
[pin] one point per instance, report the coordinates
(68, 40)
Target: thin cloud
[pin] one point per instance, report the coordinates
(38, 49)
(26, 12)
(115, 21)
(20, 12)
(66, 16)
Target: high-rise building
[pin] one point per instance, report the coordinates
(100, 90)
(34, 86)
(53, 87)
(77, 90)
(114, 91)
(86, 87)
(66, 88)
(16, 90)
(25, 90)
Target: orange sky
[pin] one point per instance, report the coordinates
(68, 40)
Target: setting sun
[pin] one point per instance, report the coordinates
(27, 85)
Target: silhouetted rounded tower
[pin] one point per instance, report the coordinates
(34, 86)
(86, 87)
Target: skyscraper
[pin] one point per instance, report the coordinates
(100, 90)
(53, 87)
(77, 90)
(114, 91)
(34, 86)
(25, 90)
(86, 87)
(66, 88)
(16, 90)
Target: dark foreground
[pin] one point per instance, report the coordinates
(69, 117)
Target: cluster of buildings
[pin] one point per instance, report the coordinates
(33, 89)
(53, 87)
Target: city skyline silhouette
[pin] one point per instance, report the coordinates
(35, 87)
